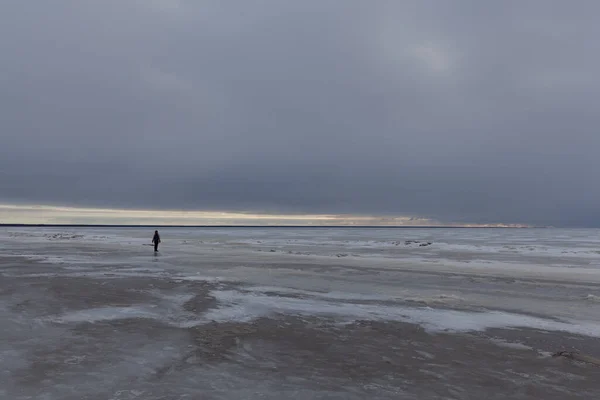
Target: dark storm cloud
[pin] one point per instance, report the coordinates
(462, 111)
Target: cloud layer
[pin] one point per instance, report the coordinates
(456, 111)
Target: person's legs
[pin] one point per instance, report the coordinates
(156, 246)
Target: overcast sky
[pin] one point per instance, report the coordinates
(479, 111)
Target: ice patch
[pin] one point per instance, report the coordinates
(104, 314)
(115, 274)
(510, 345)
(324, 295)
(198, 278)
(439, 299)
(244, 307)
(592, 297)
(172, 316)
(425, 354)
(168, 309)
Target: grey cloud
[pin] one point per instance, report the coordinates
(463, 111)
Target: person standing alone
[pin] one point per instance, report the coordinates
(156, 240)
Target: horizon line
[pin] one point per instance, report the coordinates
(16, 225)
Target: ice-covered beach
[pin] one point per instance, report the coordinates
(303, 313)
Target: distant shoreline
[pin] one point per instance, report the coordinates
(267, 226)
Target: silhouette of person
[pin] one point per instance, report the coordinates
(156, 240)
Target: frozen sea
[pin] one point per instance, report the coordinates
(299, 313)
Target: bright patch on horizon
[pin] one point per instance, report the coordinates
(43, 214)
